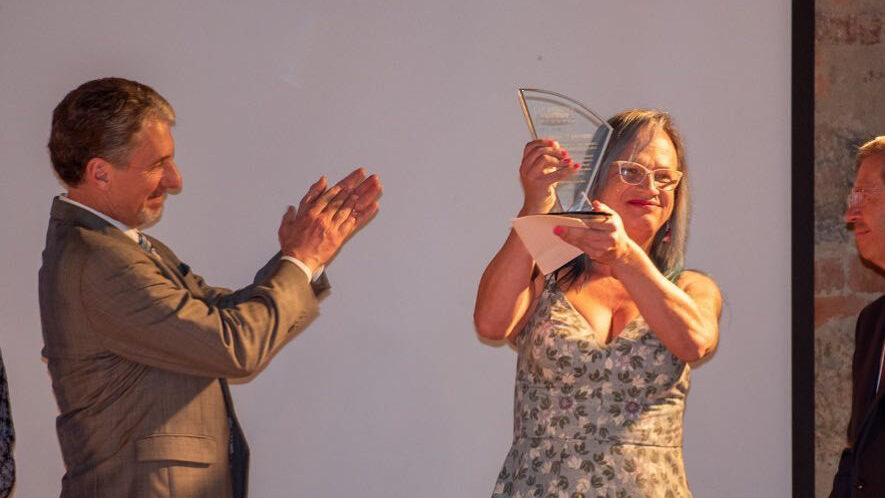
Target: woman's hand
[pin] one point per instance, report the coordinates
(544, 163)
(604, 240)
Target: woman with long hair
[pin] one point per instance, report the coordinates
(604, 343)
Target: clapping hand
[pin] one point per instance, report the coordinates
(326, 218)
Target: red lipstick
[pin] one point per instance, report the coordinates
(642, 202)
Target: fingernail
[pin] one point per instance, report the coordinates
(576, 165)
(557, 230)
(564, 153)
(567, 161)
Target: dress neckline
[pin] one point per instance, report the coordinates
(571, 307)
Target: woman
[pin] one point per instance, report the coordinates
(604, 343)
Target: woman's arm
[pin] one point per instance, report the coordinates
(684, 315)
(507, 289)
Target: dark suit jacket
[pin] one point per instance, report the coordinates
(7, 438)
(862, 466)
(138, 348)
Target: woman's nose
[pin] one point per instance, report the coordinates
(648, 182)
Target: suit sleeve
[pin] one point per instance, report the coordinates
(211, 294)
(141, 314)
(7, 438)
(220, 295)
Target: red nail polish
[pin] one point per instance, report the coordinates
(576, 165)
(557, 230)
(564, 153)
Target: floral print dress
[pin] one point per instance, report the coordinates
(593, 419)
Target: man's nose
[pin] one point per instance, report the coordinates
(851, 214)
(172, 178)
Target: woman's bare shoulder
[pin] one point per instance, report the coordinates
(694, 281)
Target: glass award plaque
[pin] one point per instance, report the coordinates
(579, 130)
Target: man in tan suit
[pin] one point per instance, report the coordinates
(138, 346)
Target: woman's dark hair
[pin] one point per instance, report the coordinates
(629, 126)
(100, 118)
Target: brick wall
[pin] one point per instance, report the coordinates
(849, 87)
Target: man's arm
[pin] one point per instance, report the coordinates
(319, 283)
(142, 315)
(223, 295)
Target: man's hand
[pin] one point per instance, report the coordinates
(325, 219)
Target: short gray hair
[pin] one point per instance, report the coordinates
(871, 148)
(100, 118)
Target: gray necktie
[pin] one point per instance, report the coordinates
(144, 242)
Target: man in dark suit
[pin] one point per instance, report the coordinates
(138, 346)
(7, 438)
(862, 465)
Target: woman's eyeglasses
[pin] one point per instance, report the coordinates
(634, 174)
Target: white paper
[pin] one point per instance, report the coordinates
(549, 251)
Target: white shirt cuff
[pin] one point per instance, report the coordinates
(306, 269)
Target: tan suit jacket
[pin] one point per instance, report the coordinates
(138, 348)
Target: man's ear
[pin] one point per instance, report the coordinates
(97, 173)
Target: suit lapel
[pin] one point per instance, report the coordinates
(166, 262)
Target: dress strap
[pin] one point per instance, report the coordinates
(551, 288)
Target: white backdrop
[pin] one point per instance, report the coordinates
(389, 393)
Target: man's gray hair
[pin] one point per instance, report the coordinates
(871, 148)
(101, 118)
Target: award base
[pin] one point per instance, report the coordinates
(581, 214)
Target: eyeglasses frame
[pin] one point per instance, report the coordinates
(855, 198)
(619, 165)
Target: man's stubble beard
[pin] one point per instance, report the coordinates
(149, 217)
